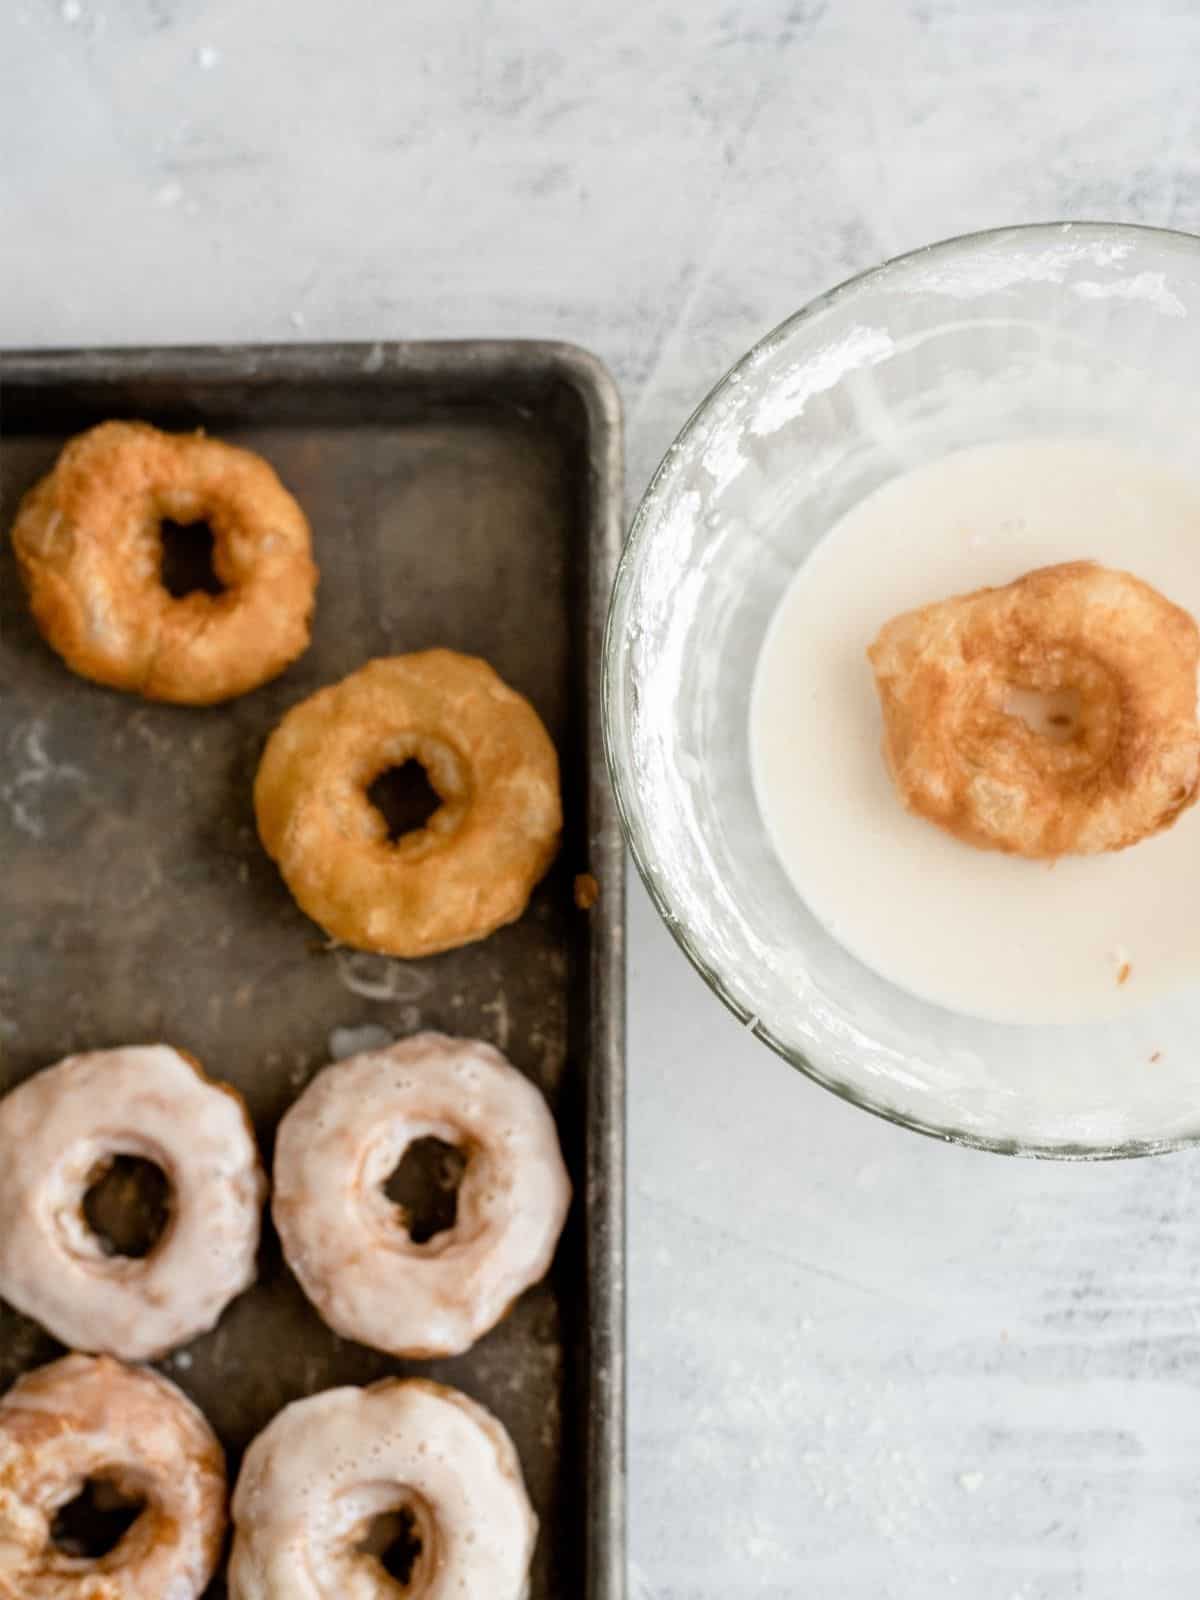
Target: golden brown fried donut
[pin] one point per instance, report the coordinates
(473, 865)
(88, 543)
(84, 1419)
(1105, 667)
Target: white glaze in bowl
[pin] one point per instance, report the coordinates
(1090, 331)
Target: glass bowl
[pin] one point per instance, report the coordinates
(1083, 330)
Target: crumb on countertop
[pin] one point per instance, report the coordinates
(587, 891)
(1123, 972)
(1157, 1056)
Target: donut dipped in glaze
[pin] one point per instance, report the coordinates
(350, 1246)
(86, 1419)
(1111, 665)
(317, 1480)
(59, 1131)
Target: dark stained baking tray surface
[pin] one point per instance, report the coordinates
(466, 495)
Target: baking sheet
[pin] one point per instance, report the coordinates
(466, 495)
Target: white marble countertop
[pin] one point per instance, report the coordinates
(863, 1364)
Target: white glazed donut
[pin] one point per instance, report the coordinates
(317, 1478)
(86, 1418)
(58, 1131)
(347, 1243)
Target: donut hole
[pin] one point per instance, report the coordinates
(1054, 714)
(424, 1187)
(127, 1205)
(404, 798)
(397, 1542)
(188, 551)
(92, 1525)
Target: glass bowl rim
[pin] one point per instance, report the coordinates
(624, 791)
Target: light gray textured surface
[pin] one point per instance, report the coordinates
(863, 1365)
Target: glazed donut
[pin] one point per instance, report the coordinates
(322, 1473)
(85, 1418)
(1114, 755)
(59, 1131)
(472, 867)
(348, 1244)
(88, 544)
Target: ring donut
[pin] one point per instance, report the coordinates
(86, 1418)
(348, 1244)
(473, 865)
(322, 1474)
(1116, 758)
(59, 1131)
(88, 543)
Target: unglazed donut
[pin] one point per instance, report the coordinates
(58, 1132)
(326, 1468)
(472, 867)
(87, 539)
(348, 1244)
(1122, 764)
(85, 1418)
